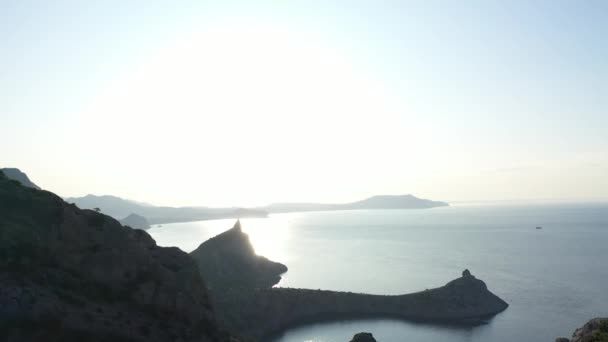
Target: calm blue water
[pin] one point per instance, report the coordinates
(554, 279)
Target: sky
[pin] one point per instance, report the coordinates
(228, 103)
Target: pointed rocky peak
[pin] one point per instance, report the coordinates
(228, 260)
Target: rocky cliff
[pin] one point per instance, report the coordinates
(70, 274)
(596, 330)
(228, 262)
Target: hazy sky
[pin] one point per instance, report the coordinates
(242, 103)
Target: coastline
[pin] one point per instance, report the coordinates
(266, 313)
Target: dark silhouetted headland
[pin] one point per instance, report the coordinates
(464, 300)
(228, 262)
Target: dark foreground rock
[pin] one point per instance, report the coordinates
(596, 330)
(363, 337)
(76, 275)
(228, 263)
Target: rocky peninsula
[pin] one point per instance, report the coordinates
(254, 310)
(268, 311)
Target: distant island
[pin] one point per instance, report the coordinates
(135, 221)
(375, 202)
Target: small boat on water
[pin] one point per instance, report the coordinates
(539, 227)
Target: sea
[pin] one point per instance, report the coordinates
(554, 278)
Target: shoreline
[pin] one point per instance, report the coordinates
(266, 313)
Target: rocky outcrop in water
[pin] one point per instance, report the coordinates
(76, 275)
(596, 330)
(135, 221)
(228, 262)
(363, 337)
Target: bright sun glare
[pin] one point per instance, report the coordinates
(249, 95)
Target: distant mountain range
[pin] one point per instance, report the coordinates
(141, 215)
(120, 208)
(375, 202)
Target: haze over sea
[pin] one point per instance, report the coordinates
(554, 278)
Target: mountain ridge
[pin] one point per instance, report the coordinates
(20, 176)
(119, 208)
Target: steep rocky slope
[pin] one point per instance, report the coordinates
(18, 175)
(596, 330)
(70, 274)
